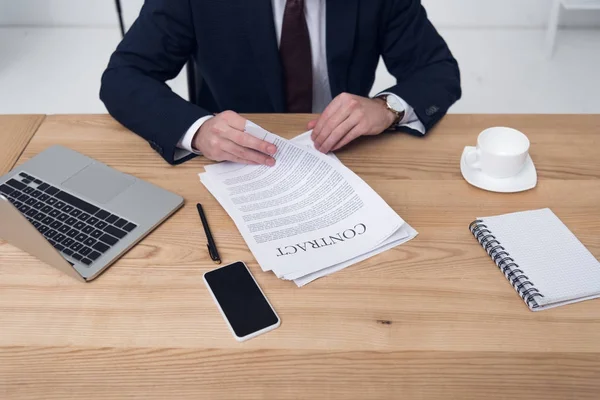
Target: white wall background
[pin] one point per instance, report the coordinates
(443, 13)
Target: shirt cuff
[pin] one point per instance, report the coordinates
(185, 143)
(410, 119)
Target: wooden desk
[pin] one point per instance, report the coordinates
(15, 132)
(432, 319)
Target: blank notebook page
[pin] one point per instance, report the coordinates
(555, 261)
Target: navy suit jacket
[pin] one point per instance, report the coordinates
(235, 48)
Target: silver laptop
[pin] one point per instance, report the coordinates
(77, 214)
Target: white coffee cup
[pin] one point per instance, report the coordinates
(500, 153)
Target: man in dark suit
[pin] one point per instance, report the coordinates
(276, 56)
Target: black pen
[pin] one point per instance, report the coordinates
(212, 247)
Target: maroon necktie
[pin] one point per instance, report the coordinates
(296, 58)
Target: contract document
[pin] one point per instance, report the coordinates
(309, 215)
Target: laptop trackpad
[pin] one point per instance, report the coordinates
(98, 183)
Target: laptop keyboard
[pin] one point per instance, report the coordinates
(74, 227)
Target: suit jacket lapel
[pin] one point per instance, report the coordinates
(260, 27)
(341, 29)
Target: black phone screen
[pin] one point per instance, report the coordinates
(240, 298)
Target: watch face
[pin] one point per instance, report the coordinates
(395, 103)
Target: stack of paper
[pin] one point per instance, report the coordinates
(309, 215)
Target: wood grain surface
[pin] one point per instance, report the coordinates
(431, 319)
(15, 132)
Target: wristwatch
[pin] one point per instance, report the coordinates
(394, 105)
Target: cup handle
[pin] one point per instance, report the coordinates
(473, 158)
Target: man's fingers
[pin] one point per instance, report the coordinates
(234, 120)
(247, 154)
(339, 133)
(245, 139)
(234, 158)
(312, 124)
(330, 110)
(355, 133)
(332, 123)
(348, 104)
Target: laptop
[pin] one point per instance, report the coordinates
(77, 214)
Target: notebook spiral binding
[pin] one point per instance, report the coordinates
(517, 278)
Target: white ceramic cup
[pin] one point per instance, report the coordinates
(500, 153)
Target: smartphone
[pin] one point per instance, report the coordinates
(241, 301)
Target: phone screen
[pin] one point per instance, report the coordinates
(241, 300)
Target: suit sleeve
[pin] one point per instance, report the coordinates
(133, 88)
(428, 77)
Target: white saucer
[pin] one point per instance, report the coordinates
(524, 180)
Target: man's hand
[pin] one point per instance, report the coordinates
(222, 138)
(348, 117)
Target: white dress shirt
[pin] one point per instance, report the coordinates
(315, 12)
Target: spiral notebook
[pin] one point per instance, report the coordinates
(540, 257)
